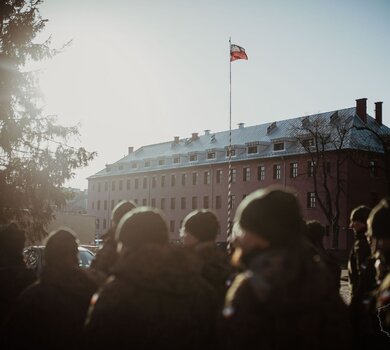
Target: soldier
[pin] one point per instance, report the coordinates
(50, 313)
(379, 234)
(156, 297)
(284, 299)
(199, 232)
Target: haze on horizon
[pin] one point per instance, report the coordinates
(141, 72)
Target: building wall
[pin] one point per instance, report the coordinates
(83, 225)
(358, 183)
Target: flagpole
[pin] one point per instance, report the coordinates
(229, 228)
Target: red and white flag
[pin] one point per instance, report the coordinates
(237, 53)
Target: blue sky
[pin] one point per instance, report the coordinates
(142, 72)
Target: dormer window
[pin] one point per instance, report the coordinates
(147, 164)
(134, 165)
(161, 162)
(211, 155)
(252, 149)
(120, 167)
(193, 157)
(308, 142)
(232, 153)
(176, 160)
(279, 146)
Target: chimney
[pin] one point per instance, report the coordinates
(241, 125)
(194, 136)
(176, 140)
(361, 109)
(207, 132)
(130, 150)
(378, 112)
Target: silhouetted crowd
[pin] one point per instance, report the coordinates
(276, 287)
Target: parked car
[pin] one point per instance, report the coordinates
(34, 257)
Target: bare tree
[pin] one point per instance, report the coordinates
(324, 139)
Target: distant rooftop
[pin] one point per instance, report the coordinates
(252, 142)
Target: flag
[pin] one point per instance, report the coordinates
(237, 53)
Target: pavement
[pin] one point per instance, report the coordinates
(345, 290)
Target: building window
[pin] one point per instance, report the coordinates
(311, 199)
(162, 206)
(279, 146)
(173, 203)
(252, 149)
(194, 178)
(293, 169)
(176, 160)
(162, 180)
(211, 155)
(277, 172)
(135, 201)
(97, 223)
(112, 204)
(261, 172)
(120, 185)
(246, 174)
(183, 202)
(232, 201)
(136, 183)
(207, 177)
(373, 168)
(93, 187)
(99, 186)
(218, 202)
(104, 224)
(145, 182)
(106, 186)
(105, 204)
(144, 201)
(161, 161)
(171, 226)
(233, 175)
(193, 157)
(173, 180)
(98, 205)
(308, 143)
(154, 182)
(232, 153)
(194, 202)
(206, 202)
(134, 165)
(311, 168)
(328, 167)
(113, 186)
(128, 184)
(153, 204)
(183, 179)
(120, 167)
(147, 164)
(219, 176)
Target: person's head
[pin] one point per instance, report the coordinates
(314, 232)
(358, 219)
(140, 227)
(379, 234)
(268, 217)
(12, 242)
(120, 210)
(199, 226)
(61, 249)
(117, 214)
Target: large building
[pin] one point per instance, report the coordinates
(333, 161)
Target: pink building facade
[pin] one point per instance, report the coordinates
(187, 174)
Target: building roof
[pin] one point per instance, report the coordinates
(193, 151)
